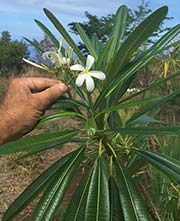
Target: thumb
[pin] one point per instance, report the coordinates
(51, 94)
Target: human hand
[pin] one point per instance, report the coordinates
(20, 109)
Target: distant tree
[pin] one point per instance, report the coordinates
(102, 27)
(45, 45)
(11, 53)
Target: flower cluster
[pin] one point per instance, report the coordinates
(57, 58)
(64, 61)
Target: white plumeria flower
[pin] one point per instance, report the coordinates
(87, 75)
(56, 57)
(53, 56)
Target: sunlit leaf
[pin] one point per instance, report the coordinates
(38, 142)
(57, 189)
(36, 187)
(97, 204)
(132, 204)
(168, 166)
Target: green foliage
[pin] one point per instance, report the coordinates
(164, 193)
(113, 143)
(102, 27)
(11, 53)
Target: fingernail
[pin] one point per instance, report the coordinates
(63, 87)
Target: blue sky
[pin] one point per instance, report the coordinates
(17, 16)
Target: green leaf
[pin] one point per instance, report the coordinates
(131, 201)
(38, 142)
(65, 103)
(135, 65)
(59, 115)
(127, 105)
(104, 54)
(134, 162)
(119, 92)
(144, 119)
(137, 37)
(35, 45)
(156, 83)
(86, 41)
(97, 45)
(153, 105)
(114, 120)
(48, 33)
(174, 130)
(168, 166)
(97, 204)
(36, 187)
(116, 213)
(57, 188)
(76, 208)
(118, 30)
(64, 33)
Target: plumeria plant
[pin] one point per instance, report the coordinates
(113, 141)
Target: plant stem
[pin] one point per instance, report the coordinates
(111, 165)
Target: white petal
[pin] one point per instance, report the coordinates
(89, 62)
(34, 64)
(51, 55)
(89, 83)
(68, 52)
(64, 60)
(61, 42)
(80, 80)
(77, 67)
(97, 74)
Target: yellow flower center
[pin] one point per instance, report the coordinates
(86, 72)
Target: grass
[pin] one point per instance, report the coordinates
(165, 195)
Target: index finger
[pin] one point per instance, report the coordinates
(38, 83)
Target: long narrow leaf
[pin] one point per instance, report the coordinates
(57, 188)
(127, 105)
(136, 65)
(174, 130)
(37, 142)
(138, 36)
(118, 30)
(156, 83)
(48, 33)
(104, 54)
(131, 200)
(167, 165)
(35, 45)
(86, 41)
(153, 105)
(59, 115)
(65, 103)
(116, 213)
(35, 187)
(97, 205)
(64, 33)
(76, 208)
(97, 45)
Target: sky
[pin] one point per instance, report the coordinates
(17, 16)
